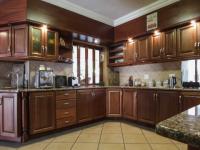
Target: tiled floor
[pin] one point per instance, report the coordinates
(107, 135)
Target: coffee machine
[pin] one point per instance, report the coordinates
(172, 81)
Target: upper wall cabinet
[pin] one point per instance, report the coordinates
(24, 42)
(5, 42)
(163, 45)
(188, 41)
(142, 54)
(43, 43)
(130, 52)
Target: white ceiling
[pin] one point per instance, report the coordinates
(112, 12)
(112, 9)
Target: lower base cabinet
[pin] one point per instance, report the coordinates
(130, 104)
(114, 103)
(10, 124)
(189, 100)
(168, 104)
(146, 106)
(41, 112)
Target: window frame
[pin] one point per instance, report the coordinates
(79, 45)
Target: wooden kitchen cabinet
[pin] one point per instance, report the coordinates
(65, 108)
(20, 41)
(163, 45)
(43, 43)
(143, 49)
(189, 100)
(84, 105)
(114, 103)
(130, 52)
(187, 41)
(167, 104)
(9, 115)
(130, 104)
(99, 103)
(41, 112)
(5, 42)
(146, 106)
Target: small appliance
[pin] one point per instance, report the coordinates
(44, 79)
(172, 81)
(73, 81)
(60, 81)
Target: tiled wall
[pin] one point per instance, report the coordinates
(58, 69)
(8, 74)
(156, 72)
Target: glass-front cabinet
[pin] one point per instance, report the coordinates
(43, 43)
(51, 44)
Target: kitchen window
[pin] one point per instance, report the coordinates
(190, 70)
(86, 64)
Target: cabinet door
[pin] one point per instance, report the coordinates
(99, 103)
(156, 46)
(51, 48)
(19, 41)
(36, 42)
(169, 44)
(168, 104)
(84, 105)
(9, 115)
(5, 42)
(146, 106)
(130, 52)
(42, 112)
(189, 100)
(142, 49)
(130, 104)
(187, 41)
(114, 103)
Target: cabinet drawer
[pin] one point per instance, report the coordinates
(60, 95)
(63, 113)
(65, 104)
(60, 123)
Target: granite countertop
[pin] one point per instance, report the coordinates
(94, 87)
(184, 127)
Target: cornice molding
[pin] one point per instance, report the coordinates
(80, 10)
(143, 11)
(93, 15)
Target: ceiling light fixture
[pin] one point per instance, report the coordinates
(193, 23)
(157, 32)
(130, 40)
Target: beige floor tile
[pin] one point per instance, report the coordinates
(112, 124)
(129, 130)
(164, 147)
(35, 146)
(156, 139)
(85, 146)
(89, 138)
(111, 147)
(182, 146)
(148, 132)
(138, 147)
(59, 146)
(176, 142)
(134, 138)
(110, 129)
(69, 138)
(111, 138)
(92, 130)
(7, 148)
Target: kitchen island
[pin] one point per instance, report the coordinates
(184, 127)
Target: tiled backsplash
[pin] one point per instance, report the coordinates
(159, 71)
(58, 69)
(8, 74)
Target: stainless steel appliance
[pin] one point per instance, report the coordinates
(60, 81)
(172, 81)
(44, 79)
(73, 81)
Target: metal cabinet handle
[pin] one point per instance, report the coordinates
(180, 98)
(66, 122)
(66, 94)
(199, 45)
(66, 113)
(195, 44)
(0, 101)
(66, 103)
